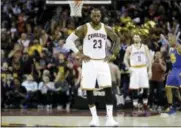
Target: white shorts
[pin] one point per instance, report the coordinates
(139, 78)
(95, 70)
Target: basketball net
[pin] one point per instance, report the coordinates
(76, 8)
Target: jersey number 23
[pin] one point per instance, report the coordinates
(97, 44)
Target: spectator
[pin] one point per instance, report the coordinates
(30, 34)
(27, 65)
(16, 9)
(56, 37)
(14, 58)
(60, 48)
(6, 43)
(61, 82)
(62, 70)
(44, 38)
(37, 32)
(3, 59)
(4, 69)
(31, 87)
(35, 46)
(7, 87)
(21, 23)
(47, 92)
(40, 61)
(30, 84)
(14, 32)
(24, 41)
(156, 83)
(17, 95)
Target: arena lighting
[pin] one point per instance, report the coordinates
(85, 2)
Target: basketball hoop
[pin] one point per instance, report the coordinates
(76, 8)
(76, 5)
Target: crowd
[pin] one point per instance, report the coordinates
(37, 70)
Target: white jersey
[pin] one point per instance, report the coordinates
(94, 43)
(138, 56)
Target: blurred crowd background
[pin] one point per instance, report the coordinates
(36, 69)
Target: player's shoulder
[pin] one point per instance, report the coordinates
(82, 27)
(129, 48)
(81, 30)
(145, 46)
(107, 27)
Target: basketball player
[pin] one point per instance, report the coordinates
(95, 63)
(174, 77)
(138, 61)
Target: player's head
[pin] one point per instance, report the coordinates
(172, 39)
(158, 55)
(136, 38)
(96, 16)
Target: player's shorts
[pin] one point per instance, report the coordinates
(139, 78)
(174, 78)
(95, 70)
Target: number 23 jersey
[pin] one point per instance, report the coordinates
(138, 56)
(94, 43)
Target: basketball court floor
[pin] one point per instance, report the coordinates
(81, 118)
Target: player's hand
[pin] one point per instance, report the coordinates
(84, 57)
(110, 58)
(130, 70)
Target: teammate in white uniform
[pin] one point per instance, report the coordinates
(138, 61)
(95, 65)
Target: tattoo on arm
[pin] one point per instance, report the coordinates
(81, 31)
(115, 39)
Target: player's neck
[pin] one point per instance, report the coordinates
(137, 45)
(95, 26)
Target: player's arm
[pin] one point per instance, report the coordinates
(126, 57)
(172, 40)
(79, 33)
(115, 40)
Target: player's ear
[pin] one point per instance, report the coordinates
(100, 15)
(140, 38)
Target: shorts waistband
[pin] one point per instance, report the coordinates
(139, 66)
(97, 59)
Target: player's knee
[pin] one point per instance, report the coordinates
(90, 98)
(145, 93)
(108, 95)
(134, 94)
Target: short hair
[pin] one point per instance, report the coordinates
(95, 10)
